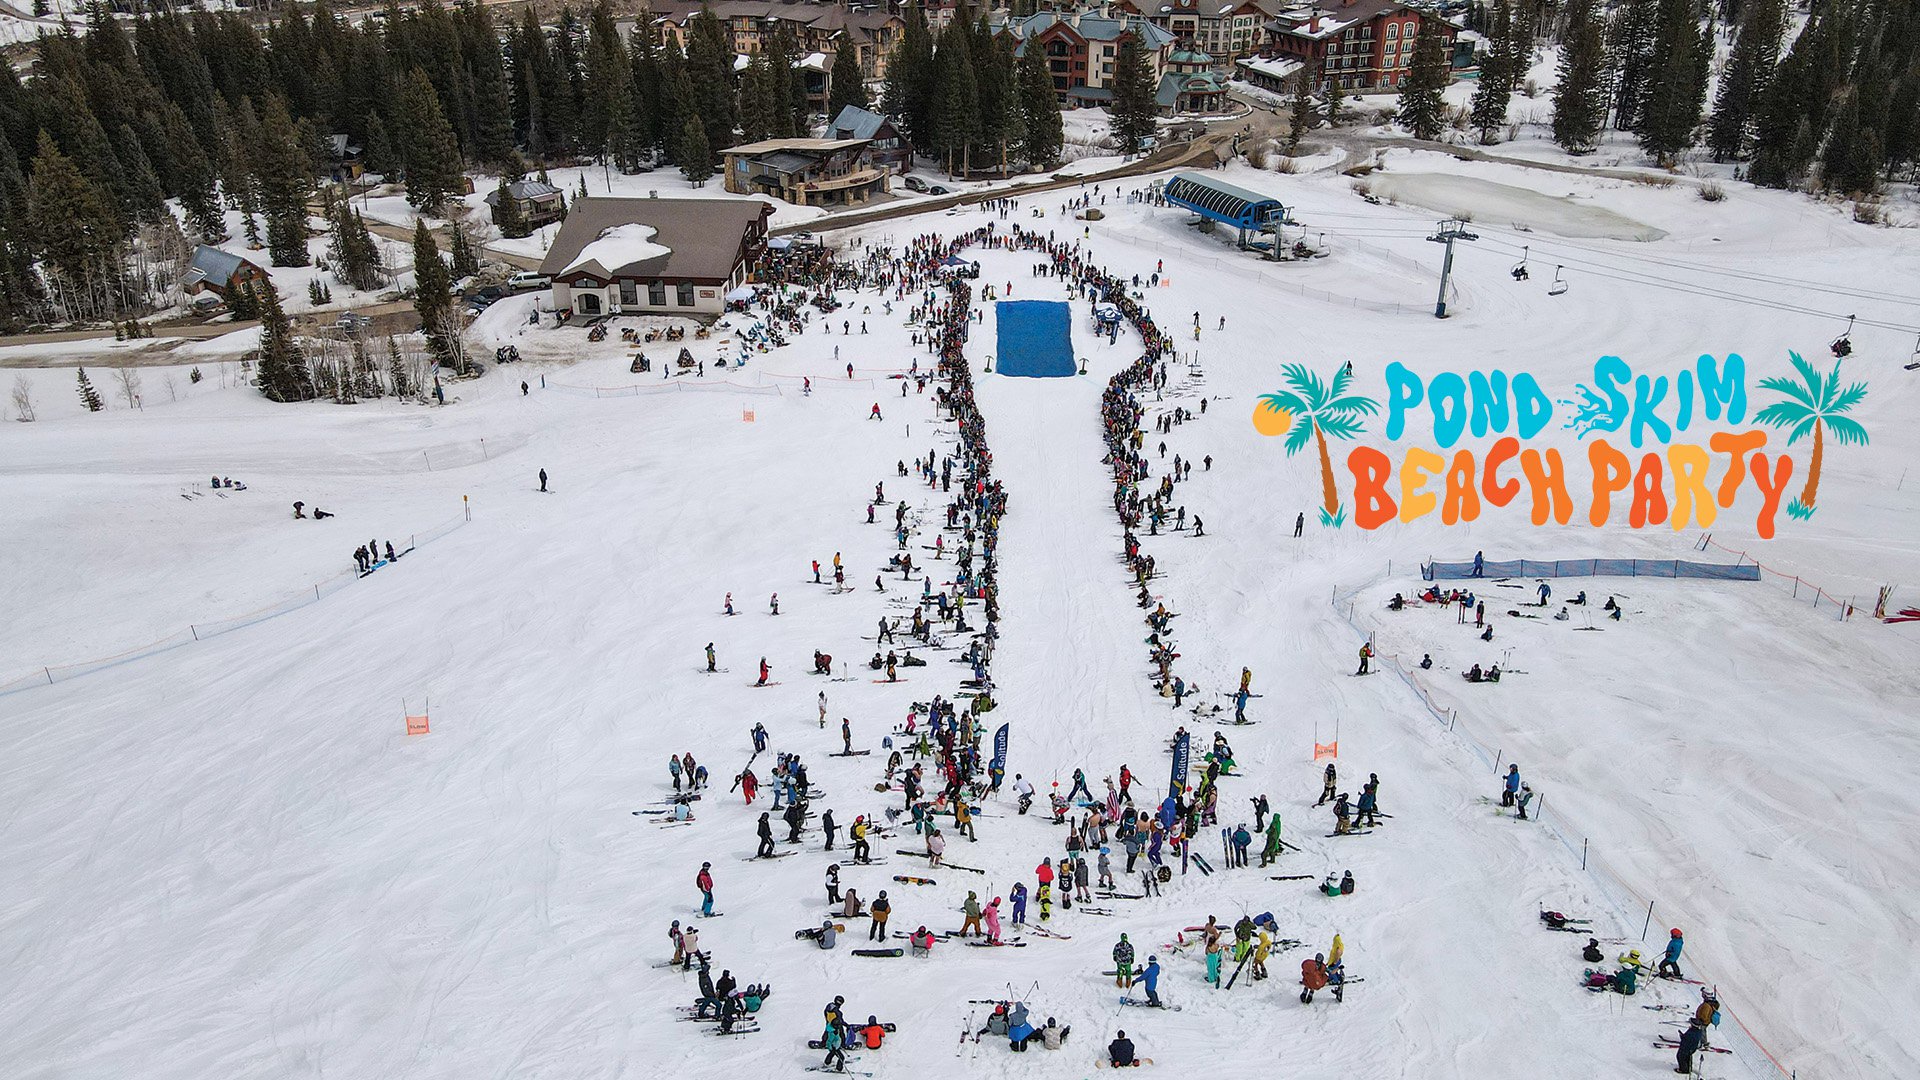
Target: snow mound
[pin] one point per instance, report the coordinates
(1484, 200)
(620, 246)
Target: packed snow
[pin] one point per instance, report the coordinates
(622, 245)
(228, 857)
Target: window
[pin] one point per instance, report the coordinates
(686, 294)
(656, 294)
(629, 293)
(1393, 30)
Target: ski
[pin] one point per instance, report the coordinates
(1289, 877)
(1352, 832)
(1674, 1044)
(851, 753)
(1148, 1004)
(775, 855)
(1044, 932)
(998, 944)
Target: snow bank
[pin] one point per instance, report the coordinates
(1477, 200)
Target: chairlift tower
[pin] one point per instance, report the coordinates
(1448, 231)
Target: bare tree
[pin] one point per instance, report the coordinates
(173, 387)
(23, 399)
(128, 377)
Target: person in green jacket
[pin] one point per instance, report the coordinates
(1272, 849)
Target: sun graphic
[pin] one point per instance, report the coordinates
(1271, 420)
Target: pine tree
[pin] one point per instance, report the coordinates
(994, 84)
(433, 298)
(1670, 106)
(847, 87)
(487, 75)
(145, 200)
(432, 155)
(193, 178)
(959, 110)
(513, 223)
(1491, 97)
(710, 69)
(1042, 132)
(461, 256)
(1577, 101)
(910, 81)
(88, 395)
(1133, 106)
(696, 156)
(756, 101)
(376, 150)
(282, 368)
(283, 176)
(1336, 96)
(1630, 35)
(1301, 114)
(397, 371)
(643, 57)
(1423, 111)
(1792, 117)
(1744, 83)
(81, 240)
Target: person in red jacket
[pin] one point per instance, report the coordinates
(704, 882)
(1313, 976)
(873, 1033)
(749, 784)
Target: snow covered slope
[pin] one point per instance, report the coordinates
(228, 859)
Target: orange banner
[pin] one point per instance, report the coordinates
(746, 416)
(416, 725)
(1330, 749)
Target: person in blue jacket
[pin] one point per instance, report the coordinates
(1689, 1045)
(1019, 1029)
(1513, 785)
(1670, 963)
(1151, 977)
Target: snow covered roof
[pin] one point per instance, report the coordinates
(210, 264)
(1094, 28)
(621, 245)
(524, 189)
(1272, 68)
(687, 239)
(855, 122)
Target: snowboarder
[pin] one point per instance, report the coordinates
(833, 883)
(1479, 564)
(774, 604)
(1120, 1051)
(729, 606)
(1313, 976)
(880, 909)
(1123, 962)
(704, 882)
(764, 670)
(1151, 979)
(1271, 850)
(1327, 786)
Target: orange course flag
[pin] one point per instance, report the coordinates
(416, 725)
(1331, 749)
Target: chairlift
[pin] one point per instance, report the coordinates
(1559, 285)
(1843, 345)
(1519, 270)
(1913, 364)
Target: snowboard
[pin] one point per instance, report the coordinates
(1103, 1063)
(878, 952)
(775, 855)
(758, 685)
(1352, 832)
(909, 880)
(1145, 1004)
(851, 753)
(714, 915)
(814, 931)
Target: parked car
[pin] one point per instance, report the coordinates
(528, 279)
(350, 324)
(938, 190)
(914, 183)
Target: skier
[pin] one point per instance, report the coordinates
(1592, 954)
(1151, 978)
(1520, 802)
(1079, 789)
(1366, 654)
(1271, 850)
(766, 838)
(1019, 895)
(1123, 962)
(861, 851)
(729, 603)
(691, 939)
(764, 669)
(886, 631)
(1513, 785)
(1670, 963)
(992, 917)
(1313, 976)
(827, 826)
(704, 882)
(710, 658)
(836, 1060)
(673, 766)
(1479, 564)
(1242, 840)
(833, 883)
(1369, 801)
(972, 911)
(1690, 1043)
(759, 738)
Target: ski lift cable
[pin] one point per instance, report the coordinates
(1718, 271)
(1697, 289)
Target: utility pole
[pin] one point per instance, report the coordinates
(1449, 230)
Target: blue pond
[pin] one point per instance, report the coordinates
(1034, 339)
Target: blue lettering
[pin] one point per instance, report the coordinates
(1447, 396)
(1647, 396)
(1403, 393)
(1531, 403)
(1727, 385)
(1489, 401)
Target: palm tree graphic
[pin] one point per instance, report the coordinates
(1816, 405)
(1327, 409)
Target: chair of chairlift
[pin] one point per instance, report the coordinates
(1842, 346)
(1559, 285)
(1519, 270)
(1913, 363)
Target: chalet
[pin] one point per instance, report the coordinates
(1081, 48)
(1190, 85)
(1222, 28)
(1364, 44)
(540, 203)
(890, 149)
(654, 256)
(343, 159)
(808, 172)
(220, 272)
(817, 26)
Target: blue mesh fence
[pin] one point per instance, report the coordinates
(1559, 568)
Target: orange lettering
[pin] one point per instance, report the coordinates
(1610, 474)
(1373, 507)
(1500, 454)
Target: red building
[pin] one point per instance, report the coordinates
(1361, 44)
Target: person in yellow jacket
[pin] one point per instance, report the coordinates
(1261, 949)
(1334, 954)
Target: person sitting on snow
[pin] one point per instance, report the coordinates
(1475, 675)
(1398, 602)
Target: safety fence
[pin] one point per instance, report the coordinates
(675, 386)
(202, 631)
(1250, 267)
(1802, 589)
(1610, 885)
(1559, 568)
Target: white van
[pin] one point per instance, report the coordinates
(528, 279)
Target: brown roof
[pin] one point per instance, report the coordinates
(705, 235)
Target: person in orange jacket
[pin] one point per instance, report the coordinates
(1313, 976)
